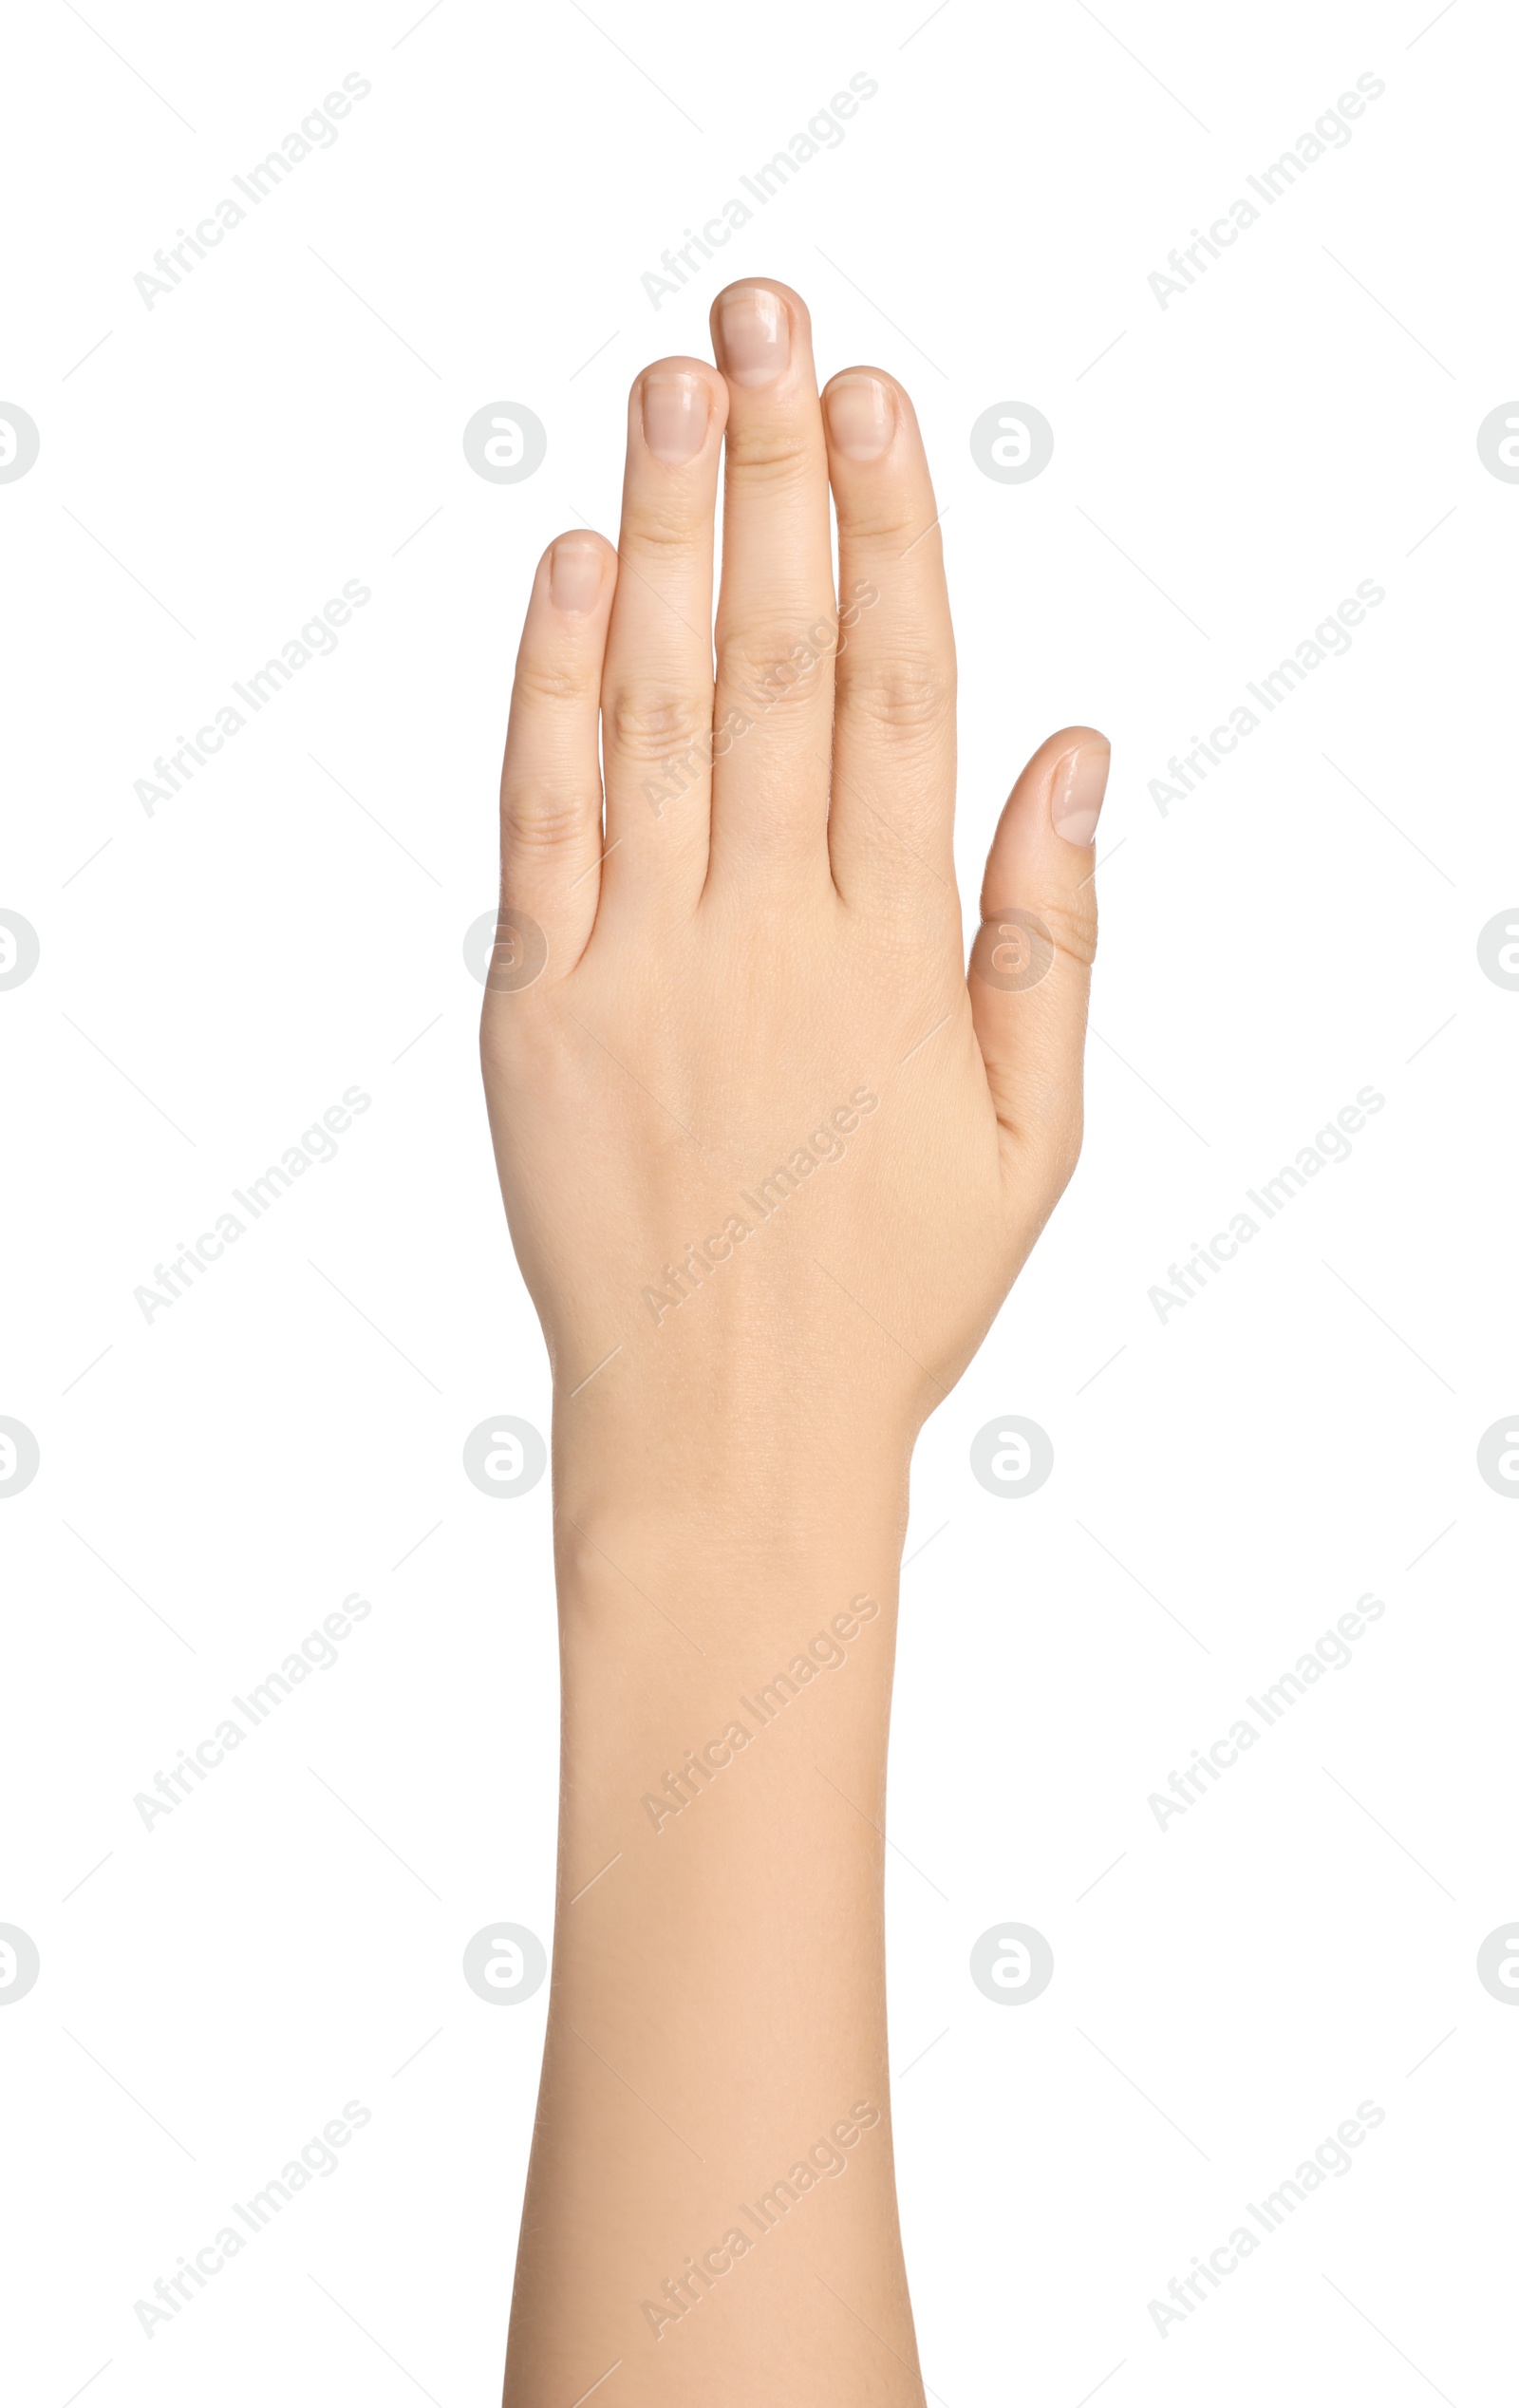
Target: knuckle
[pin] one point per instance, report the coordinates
(518, 1046)
(650, 525)
(538, 813)
(901, 697)
(653, 722)
(884, 522)
(778, 654)
(1073, 927)
(773, 458)
(541, 678)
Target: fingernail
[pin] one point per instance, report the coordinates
(1076, 789)
(861, 415)
(677, 409)
(755, 335)
(575, 577)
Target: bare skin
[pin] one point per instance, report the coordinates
(771, 1164)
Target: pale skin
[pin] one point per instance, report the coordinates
(752, 964)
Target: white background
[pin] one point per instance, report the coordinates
(1227, 1484)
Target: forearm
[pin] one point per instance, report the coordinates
(717, 2022)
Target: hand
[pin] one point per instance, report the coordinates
(756, 1132)
(770, 1166)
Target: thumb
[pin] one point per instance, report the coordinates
(1031, 962)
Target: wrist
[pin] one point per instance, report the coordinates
(725, 1677)
(735, 1489)
(688, 1573)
